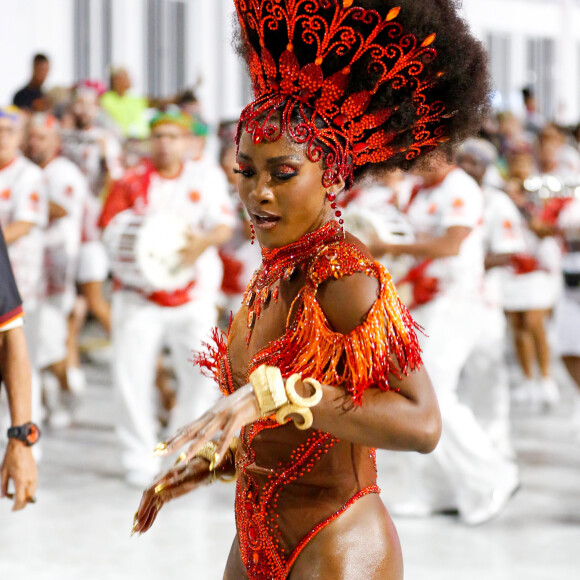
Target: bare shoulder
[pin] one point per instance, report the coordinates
(346, 300)
(354, 241)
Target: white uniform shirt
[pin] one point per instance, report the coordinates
(67, 187)
(23, 198)
(503, 234)
(84, 148)
(200, 194)
(457, 201)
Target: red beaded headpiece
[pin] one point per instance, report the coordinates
(311, 101)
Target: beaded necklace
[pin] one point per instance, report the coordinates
(282, 263)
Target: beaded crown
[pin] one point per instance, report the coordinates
(312, 101)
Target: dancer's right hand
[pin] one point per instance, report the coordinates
(179, 480)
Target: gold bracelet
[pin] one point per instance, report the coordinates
(296, 399)
(306, 414)
(269, 389)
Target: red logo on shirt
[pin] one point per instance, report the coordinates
(194, 196)
(69, 190)
(5, 194)
(432, 209)
(458, 203)
(34, 198)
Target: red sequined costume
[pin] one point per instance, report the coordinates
(293, 483)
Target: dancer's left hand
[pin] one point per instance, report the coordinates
(179, 480)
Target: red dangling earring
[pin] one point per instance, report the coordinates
(253, 237)
(337, 212)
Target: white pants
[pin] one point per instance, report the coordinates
(484, 383)
(465, 468)
(52, 332)
(140, 329)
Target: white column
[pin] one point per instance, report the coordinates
(567, 66)
(129, 25)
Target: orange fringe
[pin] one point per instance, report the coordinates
(358, 360)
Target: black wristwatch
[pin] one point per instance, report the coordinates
(28, 433)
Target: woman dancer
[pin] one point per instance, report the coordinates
(321, 364)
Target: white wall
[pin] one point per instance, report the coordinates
(30, 26)
(525, 19)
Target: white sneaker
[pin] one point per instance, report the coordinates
(77, 381)
(61, 410)
(493, 507)
(524, 392)
(60, 418)
(547, 393)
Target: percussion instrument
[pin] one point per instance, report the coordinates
(569, 224)
(391, 226)
(544, 187)
(144, 251)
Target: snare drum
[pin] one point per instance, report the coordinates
(144, 251)
(390, 225)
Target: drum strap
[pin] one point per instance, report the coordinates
(126, 192)
(171, 299)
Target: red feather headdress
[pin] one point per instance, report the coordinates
(312, 102)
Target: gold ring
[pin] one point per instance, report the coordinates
(160, 449)
(214, 461)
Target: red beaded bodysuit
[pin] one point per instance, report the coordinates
(293, 483)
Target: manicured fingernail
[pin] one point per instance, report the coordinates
(180, 458)
(215, 461)
(160, 449)
(159, 488)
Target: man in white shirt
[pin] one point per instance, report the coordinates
(465, 471)
(568, 308)
(97, 152)
(145, 318)
(23, 216)
(67, 191)
(485, 383)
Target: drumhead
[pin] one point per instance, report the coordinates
(160, 240)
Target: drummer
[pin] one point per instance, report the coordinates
(465, 472)
(144, 320)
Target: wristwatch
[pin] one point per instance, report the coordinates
(28, 433)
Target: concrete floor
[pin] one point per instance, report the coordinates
(80, 527)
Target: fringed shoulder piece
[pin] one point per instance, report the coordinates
(214, 362)
(361, 359)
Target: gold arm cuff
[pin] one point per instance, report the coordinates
(296, 399)
(306, 414)
(268, 386)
